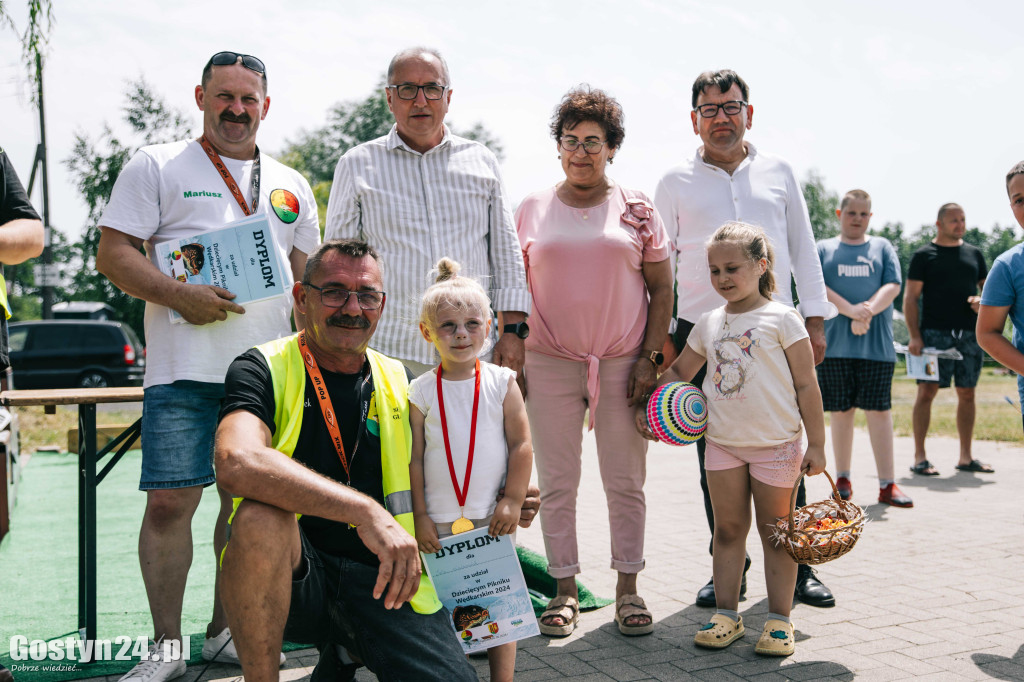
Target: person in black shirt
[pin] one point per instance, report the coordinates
(21, 236)
(947, 275)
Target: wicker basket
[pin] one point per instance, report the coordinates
(813, 545)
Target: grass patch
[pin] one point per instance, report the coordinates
(38, 429)
(996, 419)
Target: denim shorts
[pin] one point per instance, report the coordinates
(332, 603)
(179, 421)
(964, 372)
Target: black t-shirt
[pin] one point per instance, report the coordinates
(950, 274)
(14, 205)
(248, 386)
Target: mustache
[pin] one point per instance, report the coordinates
(228, 116)
(348, 321)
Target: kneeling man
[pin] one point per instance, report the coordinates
(321, 548)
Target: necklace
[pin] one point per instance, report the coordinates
(725, 325)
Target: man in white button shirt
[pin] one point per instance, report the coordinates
(420, 193)
(729, 179)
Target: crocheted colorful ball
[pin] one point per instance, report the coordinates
(677, 413)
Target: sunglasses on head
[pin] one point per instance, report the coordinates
(248, 61)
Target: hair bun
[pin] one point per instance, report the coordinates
(446, 269)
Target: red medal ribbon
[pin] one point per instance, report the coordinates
(230, 181)
(460, 495)
(325, 402)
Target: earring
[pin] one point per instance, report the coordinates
(611, 159)
(559, 157)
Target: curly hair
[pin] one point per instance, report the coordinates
(584, 103)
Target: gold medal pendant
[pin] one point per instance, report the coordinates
(461, 525)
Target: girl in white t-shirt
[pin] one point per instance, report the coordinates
(760, 385)
(470, 435)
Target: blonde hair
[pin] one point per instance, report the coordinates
(754, 243)
(450, 288)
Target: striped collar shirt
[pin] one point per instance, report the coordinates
(415, 208)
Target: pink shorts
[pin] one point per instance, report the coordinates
(775, 465)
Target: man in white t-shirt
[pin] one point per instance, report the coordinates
(729, 179)
(178, 190)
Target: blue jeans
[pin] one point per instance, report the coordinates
(332, 603)
(179, 421)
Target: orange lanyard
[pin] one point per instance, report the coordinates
(325, 402)
(230, 181)
(460, 495)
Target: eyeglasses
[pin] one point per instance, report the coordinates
(409, 91)
(338, 298)
(571, 144)
(730, 108)
(227, 58)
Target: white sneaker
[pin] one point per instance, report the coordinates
(155, 669)
(222, 649)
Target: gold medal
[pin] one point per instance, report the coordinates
(461, 525)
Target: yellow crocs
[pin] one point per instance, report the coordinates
(720, 632)
(776, 639)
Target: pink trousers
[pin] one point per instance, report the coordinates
(556, 402)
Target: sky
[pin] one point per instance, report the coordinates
(910, 101)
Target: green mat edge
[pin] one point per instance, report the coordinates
(542, 588)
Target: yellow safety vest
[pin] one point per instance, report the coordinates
(3, 295)
(390, 387)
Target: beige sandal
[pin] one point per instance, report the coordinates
(564, 607)
(776, 639)
(720, 632)
(632, 606)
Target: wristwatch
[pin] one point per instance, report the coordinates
(657, 357)
(520, 329)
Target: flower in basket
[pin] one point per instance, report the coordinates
(637, 213)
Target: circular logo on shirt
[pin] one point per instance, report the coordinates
(285, 204)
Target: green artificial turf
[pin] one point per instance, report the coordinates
(39, 567)
(39, 564)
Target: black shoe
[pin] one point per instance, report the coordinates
(706, 594)
(810, 590)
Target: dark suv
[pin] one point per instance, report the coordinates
(75, 354)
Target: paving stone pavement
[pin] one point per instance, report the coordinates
(931, 593)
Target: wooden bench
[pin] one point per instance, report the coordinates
(88, 456)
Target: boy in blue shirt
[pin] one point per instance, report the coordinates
(862, 277)
(1003, 294)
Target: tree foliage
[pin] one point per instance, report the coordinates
(821, 206)
(315, 153)
(822, 203)
(36, 35)
(94, 165)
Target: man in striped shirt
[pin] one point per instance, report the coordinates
(420, 193)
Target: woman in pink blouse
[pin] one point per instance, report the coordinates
(597, 265)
